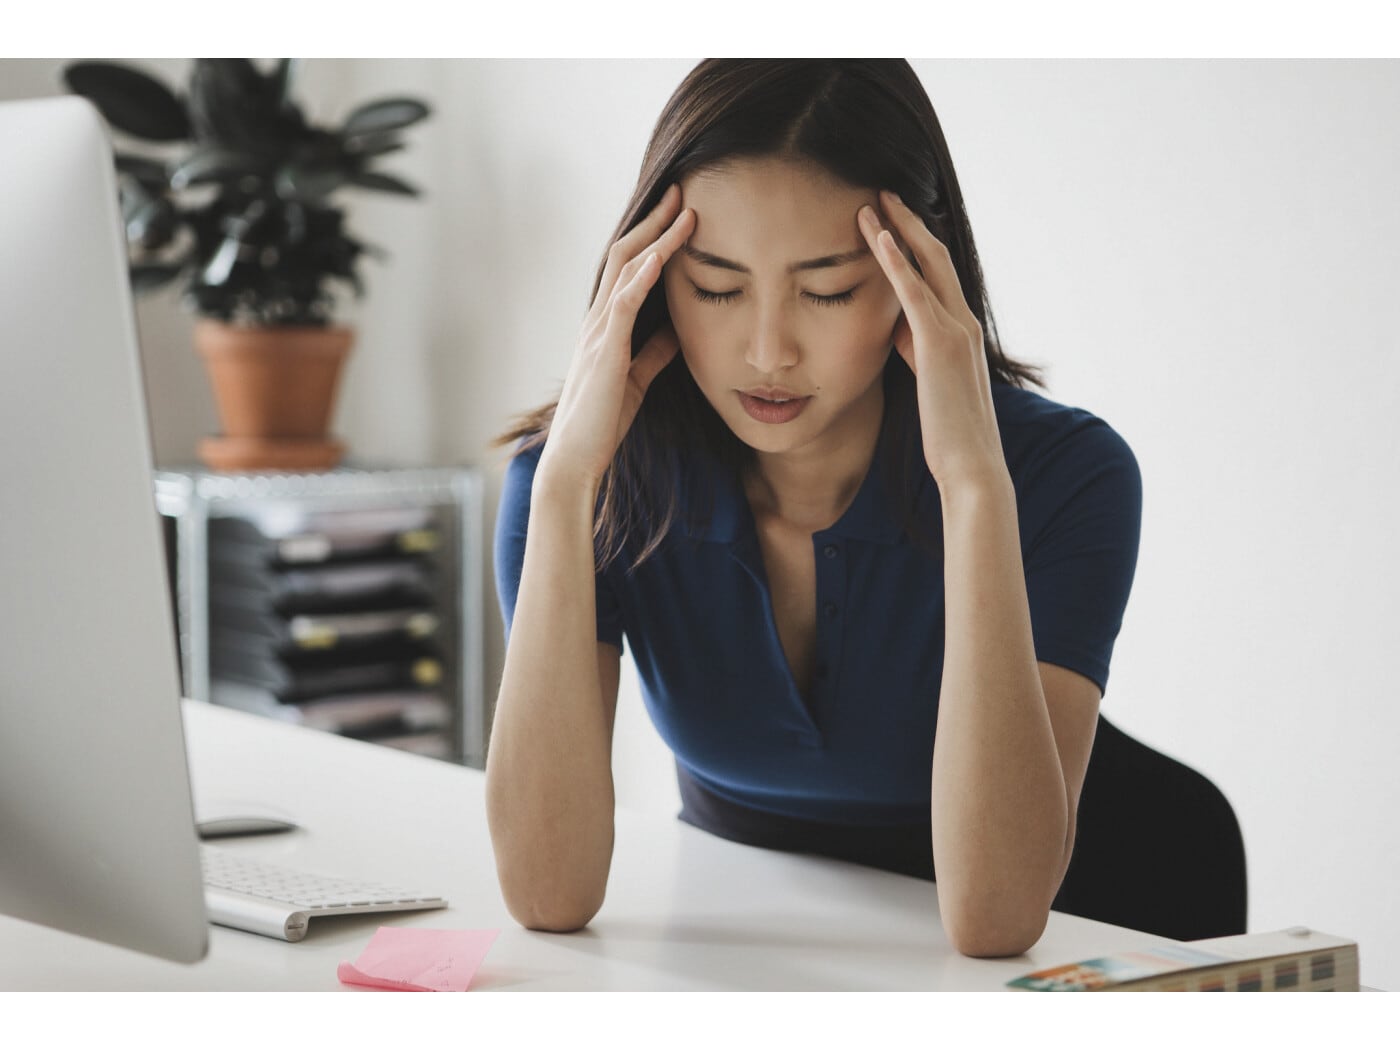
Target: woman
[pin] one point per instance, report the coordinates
(870, 582)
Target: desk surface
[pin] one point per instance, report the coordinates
(684, 910)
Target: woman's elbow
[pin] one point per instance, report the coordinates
(994, 937)
(553, 913)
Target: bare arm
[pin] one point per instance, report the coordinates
(549, 788)
(1013, 739)
(1013, 736)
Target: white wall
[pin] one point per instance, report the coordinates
(1207, 255)
(1204, 253)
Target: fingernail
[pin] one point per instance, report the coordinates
(892, 196)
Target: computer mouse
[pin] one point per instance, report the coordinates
(226, 827)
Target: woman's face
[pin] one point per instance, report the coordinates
(753, 311)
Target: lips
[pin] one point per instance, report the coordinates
(772, 393)
(778, 409)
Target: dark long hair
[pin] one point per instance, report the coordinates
(869, 123)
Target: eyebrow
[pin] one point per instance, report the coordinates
(822, 263)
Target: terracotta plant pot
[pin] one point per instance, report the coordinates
(275, 391)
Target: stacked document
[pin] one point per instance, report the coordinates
(332, 619)
(277, 538)
(1292, 960)
(292, 636)
(412, 720)
(366, 586)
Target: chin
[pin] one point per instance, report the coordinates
(764, 437)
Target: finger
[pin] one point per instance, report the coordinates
(932, 254)
(627, 301)
(665, 246)
(921, 306)
(631, 244)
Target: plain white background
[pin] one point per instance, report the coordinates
(1204, 253)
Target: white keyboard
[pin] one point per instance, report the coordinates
(275, 901)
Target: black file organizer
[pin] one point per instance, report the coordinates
(334, 599)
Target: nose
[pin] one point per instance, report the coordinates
(772, 347)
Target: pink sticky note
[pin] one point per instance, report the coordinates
(406, 959)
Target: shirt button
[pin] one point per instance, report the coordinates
(831, 550)
(830, 610)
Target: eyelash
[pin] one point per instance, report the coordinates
(840, 299)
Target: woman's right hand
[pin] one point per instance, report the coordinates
(605, 384)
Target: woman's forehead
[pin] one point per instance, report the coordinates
(769, 180)
(753, 202)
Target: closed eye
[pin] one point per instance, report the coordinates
(840, 299)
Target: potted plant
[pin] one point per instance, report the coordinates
(242, 213)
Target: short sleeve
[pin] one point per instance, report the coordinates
(1080, 533)
(512, 521)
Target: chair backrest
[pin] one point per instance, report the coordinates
(1157, 846)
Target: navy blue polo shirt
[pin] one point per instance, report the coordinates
(859, 748)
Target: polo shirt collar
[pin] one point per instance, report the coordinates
(867, 518)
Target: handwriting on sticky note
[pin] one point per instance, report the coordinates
(406, 959)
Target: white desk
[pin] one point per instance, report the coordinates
(684, 911)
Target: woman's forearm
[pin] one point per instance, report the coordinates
(1001, 819)
(549, 787)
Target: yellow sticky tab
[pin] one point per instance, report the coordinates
(418, 541)
(427, 672)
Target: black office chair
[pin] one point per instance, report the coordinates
(1157, 846)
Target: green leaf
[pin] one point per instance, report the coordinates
(151, 225)
(238, 227)
(235, 106)
(221, 266)
(373, 144)
(387, 114)
(146, 277)
(282, 78)
(212, 164)
(133, 197)
(231, 78)
(130, 100)
(294, 221)
(374, 180)
(149, 173)
(306, 184)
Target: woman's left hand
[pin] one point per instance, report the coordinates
(940, 340)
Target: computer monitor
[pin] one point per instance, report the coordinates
(97, 830)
